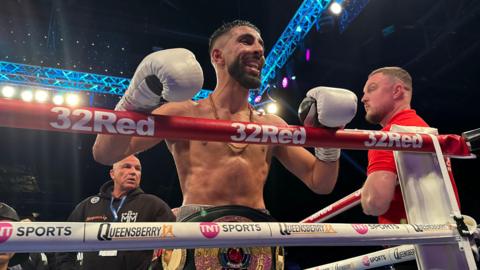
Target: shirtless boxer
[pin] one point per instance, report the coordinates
(217, 173)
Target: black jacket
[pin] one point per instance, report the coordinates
(137, 207)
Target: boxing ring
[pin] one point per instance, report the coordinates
(437, 226)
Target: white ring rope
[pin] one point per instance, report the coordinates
(76, 236)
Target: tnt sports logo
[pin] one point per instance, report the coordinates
(6, 230)
(365, 261)
(209, 229)
(360, 228)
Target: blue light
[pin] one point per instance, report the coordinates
(298, 29)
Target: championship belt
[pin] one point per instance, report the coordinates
(248, 258)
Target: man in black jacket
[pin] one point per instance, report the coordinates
(119, 200)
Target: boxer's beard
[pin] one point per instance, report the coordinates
(237, 71)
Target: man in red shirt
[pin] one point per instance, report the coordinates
(386, 96)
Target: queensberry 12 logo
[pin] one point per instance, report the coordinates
(109, 231)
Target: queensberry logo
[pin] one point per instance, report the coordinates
(343, 266)
(6, 230)
(289, 229)
(400, 254)
(430, 228)
(209, 229)
(107, 233)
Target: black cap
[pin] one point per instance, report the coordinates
(8, 213)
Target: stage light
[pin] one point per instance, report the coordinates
(298, 29)
(285, 82)
(257, 99)
(26, 95)
(272, 108)
(41, 96)
(336, 8)
(58, 99)
(72, 100)
(307, 55)
(293, 78)
(8, 91)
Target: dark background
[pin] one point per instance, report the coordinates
(437, 41)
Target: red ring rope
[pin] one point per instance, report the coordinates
(18, 114)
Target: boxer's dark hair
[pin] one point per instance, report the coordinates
(225, 28)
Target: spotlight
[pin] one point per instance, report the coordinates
(307, 55)
(72, 100)
(272, 108)
(57, 99)
(41, 96)
(8, 91)
(27, 95)
(336, 8)
(257, 99)
(285, 82)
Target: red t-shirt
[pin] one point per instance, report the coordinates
(382, 160)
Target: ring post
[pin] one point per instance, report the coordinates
(429, 199)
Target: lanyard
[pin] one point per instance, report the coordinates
(115, 211)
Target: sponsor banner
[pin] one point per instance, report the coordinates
(379, 228)
(403, 253)
(30, 232)
(343, 266)
(380, 258)
(302, 229)
(118, 231)
(90, 236)
(18, 114)
(431, 228)
(211, 230)
(374, 261)
(43, 231)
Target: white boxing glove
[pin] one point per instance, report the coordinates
(328, 107)
(336, 107)
(173, 74)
